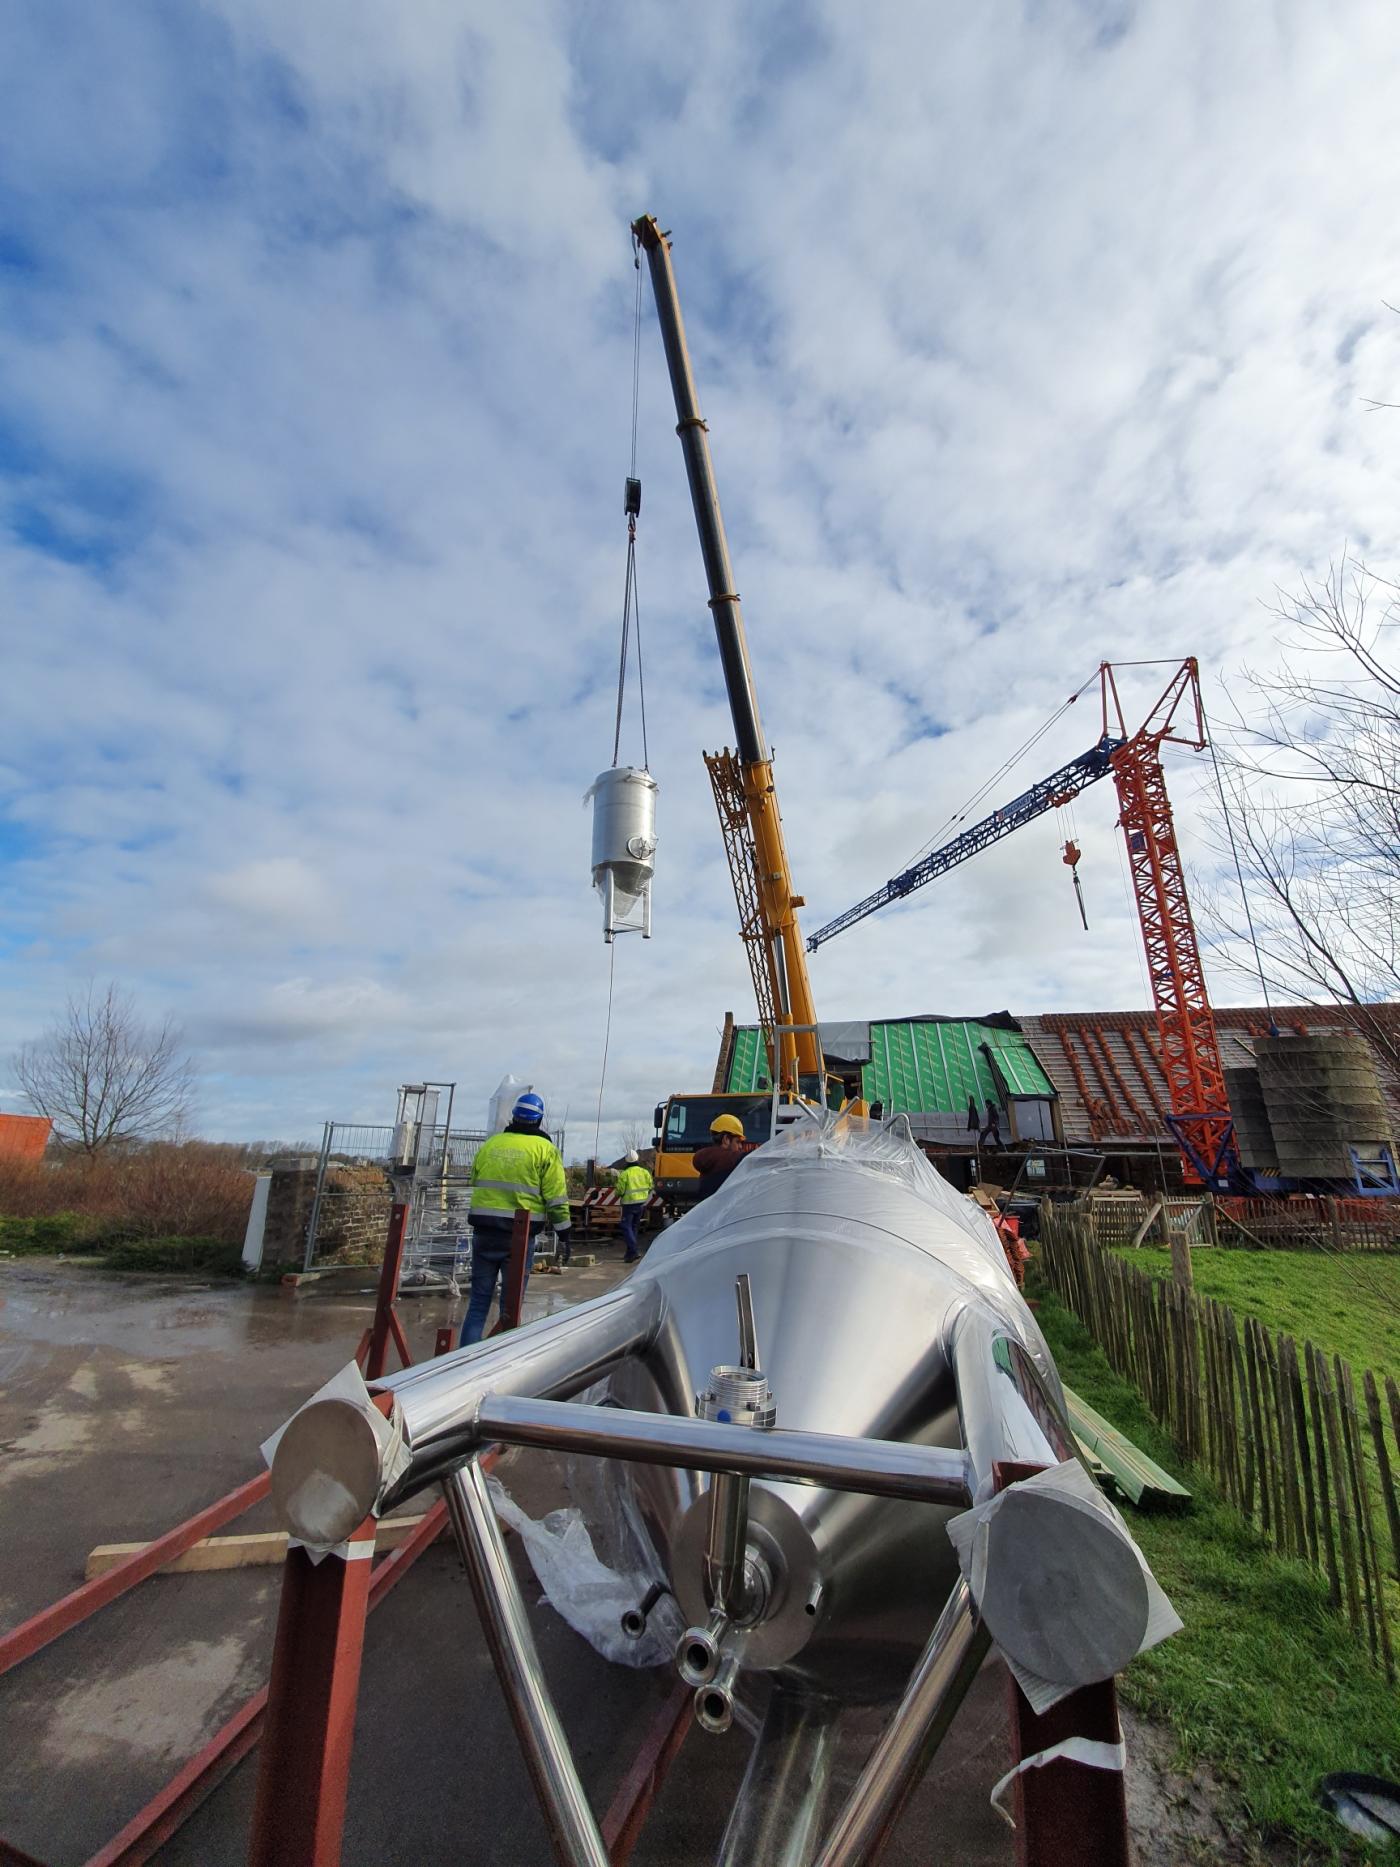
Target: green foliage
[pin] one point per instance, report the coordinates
(116, 1249)
(57, 1231)
(1265, 1684)
(211, 1256)
(1347, 1304)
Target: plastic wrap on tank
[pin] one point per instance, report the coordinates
(775, 1183)
(584, 1590)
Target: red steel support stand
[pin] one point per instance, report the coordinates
(304, 1765)
(631, 1804)
(513, 1293)
(374, 1344)
(27, 1639)
(1067, 1813)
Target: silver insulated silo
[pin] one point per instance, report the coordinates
(624, 843)
(1253, 1135)
(1324, 1100)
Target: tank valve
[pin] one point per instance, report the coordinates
(634, 1620)
(714, 1702)
(698, 1650)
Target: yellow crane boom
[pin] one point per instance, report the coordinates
(743, 779)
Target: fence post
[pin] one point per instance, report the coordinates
(1181, 1256)
(311, 1223)
(1334, 1220)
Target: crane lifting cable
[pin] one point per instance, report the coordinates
(624, 796)
(1003, 770)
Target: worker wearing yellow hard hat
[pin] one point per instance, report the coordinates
(715, 1163)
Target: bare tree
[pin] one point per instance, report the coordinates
(635, 1137)
(104, 1077)
(1311, 810)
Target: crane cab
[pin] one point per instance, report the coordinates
(682, 1127)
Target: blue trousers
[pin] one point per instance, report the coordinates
(631, 1215)
(490, 1256)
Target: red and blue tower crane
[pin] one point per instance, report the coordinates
(1190, 1051)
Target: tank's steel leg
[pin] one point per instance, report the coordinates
(577, 1841)
(939, 1683)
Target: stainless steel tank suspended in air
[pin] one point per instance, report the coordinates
(624, 843)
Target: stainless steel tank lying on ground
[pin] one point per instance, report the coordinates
(795, 1461)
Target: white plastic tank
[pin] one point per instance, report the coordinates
(508, 1093)
(624, 843)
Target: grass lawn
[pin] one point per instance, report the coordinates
(1349, 1305)
(1265, 1684)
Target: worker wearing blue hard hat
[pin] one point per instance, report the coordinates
(519, 1170)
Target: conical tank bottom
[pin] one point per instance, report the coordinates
(861, 1260)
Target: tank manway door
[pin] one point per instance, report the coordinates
(624, 845)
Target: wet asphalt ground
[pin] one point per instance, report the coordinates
(126, 1404)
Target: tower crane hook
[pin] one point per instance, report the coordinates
(1071, 857)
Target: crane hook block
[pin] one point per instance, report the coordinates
(1071, 855)
(632, 499)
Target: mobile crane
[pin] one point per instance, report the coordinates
(745, 797)
(1190, 1053)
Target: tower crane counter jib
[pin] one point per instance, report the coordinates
(743, 779)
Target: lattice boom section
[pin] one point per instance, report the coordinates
(730, 802)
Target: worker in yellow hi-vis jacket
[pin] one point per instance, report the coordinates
(634, 1185)
(519, 1170)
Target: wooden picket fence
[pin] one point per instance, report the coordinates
(1281, 1433)
(1295, 1224)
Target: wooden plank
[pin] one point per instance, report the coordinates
(1365, 1523)
(1230, 1351)
(1137, 1476)
(1288, 1445)
(1299, 1405)
(1146, 1225)
(1256, 1427)
(1324, 1505)
(236, 1552)
(1246, 1437)
(1392, 1505)
(1346, 1547)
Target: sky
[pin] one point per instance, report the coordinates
(1028, 335)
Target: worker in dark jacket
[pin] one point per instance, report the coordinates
(715, 1163)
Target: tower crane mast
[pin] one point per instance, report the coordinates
(1200, 1117)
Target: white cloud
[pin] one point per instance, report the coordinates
(1023, 340)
